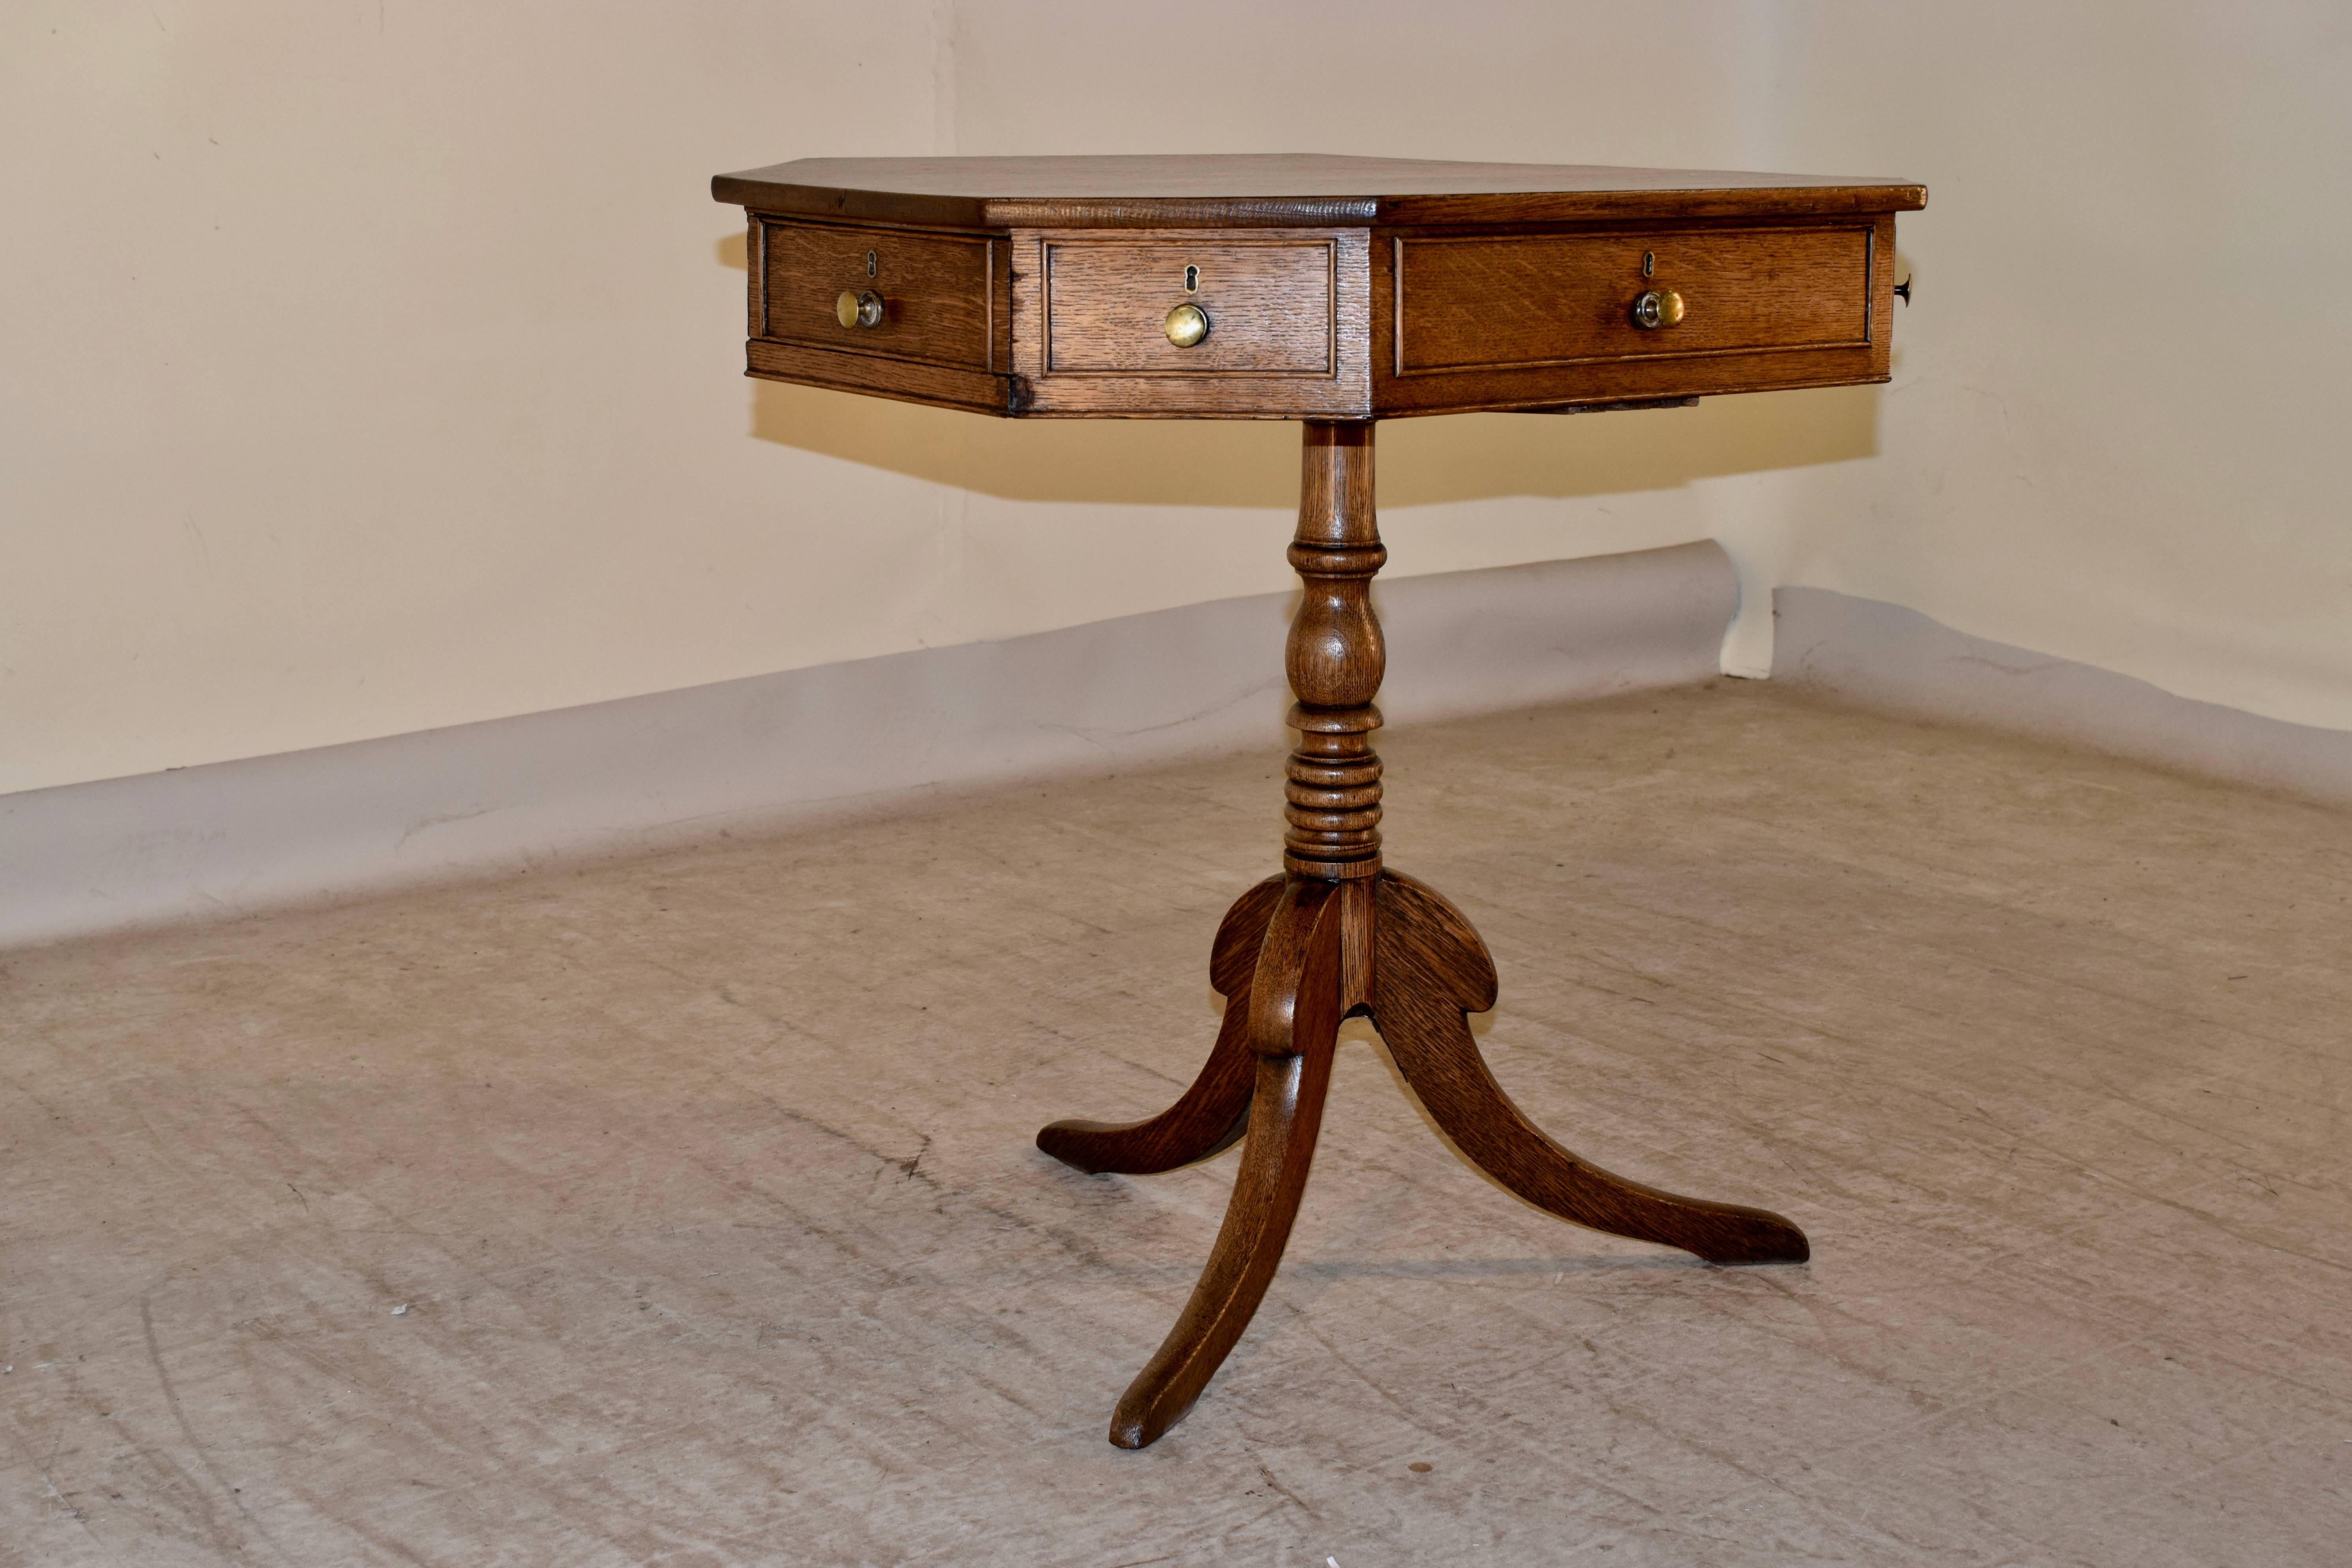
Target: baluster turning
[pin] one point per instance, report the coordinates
(1335, 659)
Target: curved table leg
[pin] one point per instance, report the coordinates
(1295, 1012)
(1210, 1116)
(1433, 970)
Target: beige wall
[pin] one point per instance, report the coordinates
(375, 366)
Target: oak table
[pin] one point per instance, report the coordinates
(1335, 291)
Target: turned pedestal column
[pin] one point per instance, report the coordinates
(1336, 934)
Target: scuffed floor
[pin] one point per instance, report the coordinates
(706, 1184)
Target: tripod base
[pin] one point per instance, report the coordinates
(1293, 957)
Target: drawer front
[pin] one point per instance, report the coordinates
(1270, 305)
(940, 301)
(1499, 303)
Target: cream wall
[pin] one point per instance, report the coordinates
(375, 366)
(2118, 426)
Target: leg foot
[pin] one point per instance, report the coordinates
(1431, 970)
(1294, 1021)
(1211, 1115)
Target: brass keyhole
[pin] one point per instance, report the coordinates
(1649, 262)
(1192, 279)
(873, 265)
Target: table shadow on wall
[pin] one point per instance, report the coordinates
(1255, 463)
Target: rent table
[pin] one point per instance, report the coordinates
(1335, 291)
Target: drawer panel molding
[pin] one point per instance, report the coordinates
(943, 300)
(1496, 302)
(1270, 306)
(1289, 313)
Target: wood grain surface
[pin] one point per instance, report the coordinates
(1332, 325)
(880, 375)
(1210, 1114)
(1294, 1023)
(1501, 341)
(1433, 971)
(1163, 381)
(1337, 935)
(1336, 287)
(1281, 190)
(1271, 305)
(1334, 658)
(941, 302)
(1490, 301)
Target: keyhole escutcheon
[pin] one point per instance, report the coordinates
(1192, 279)
(873, 264)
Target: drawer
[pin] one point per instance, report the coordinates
(1506, 301)
(941, 301)
(1271, 306)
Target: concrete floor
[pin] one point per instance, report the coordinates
(684, 1210)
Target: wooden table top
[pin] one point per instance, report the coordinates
(1282, 188)
(1302, 286)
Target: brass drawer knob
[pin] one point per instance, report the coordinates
(1657, 307)
(855, 309)
(1187, 325)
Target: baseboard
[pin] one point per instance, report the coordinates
(765, 753)
(1890, 657)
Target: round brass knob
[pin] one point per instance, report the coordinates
(1658, 308)
(1187, 325)
(855, 309)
